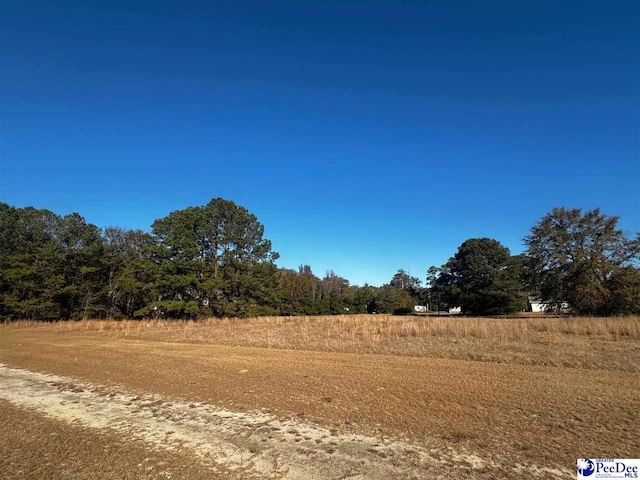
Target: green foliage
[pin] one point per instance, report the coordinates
(216, 258)
(362, 299)
(404, 281)
(131, 271)
(50, 266)
(298, 292)
(212, 260)
(333, 290)
(624, 289)
(302, 293)
(585, 260)
(482, 278)
(391, 299)
(209, 260)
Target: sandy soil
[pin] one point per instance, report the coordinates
(34, 446)
(255, 444)
(272, 413)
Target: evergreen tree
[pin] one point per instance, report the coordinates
(481, 278)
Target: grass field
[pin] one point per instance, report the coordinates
(481, 398)
(584, 342)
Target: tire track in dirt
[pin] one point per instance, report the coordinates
(257, 444)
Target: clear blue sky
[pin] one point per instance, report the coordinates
(365, 136)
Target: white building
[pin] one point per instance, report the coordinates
(536, 305)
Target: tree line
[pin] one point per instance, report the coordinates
(213, 260)
(574, 262)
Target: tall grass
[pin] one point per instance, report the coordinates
(373, 326)
(582, 342)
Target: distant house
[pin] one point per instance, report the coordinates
(421, 308)
(536, 305)
(455, 310)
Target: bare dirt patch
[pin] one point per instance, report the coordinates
(493, 417)
(250, 444)
(35, 446)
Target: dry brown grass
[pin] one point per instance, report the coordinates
(37, 447)
(508, 328)
(540, 390)
(587, 342)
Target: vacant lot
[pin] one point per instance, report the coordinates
(320, 397)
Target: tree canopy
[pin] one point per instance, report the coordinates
(585, 260)
(213, 260)
(481, 278)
